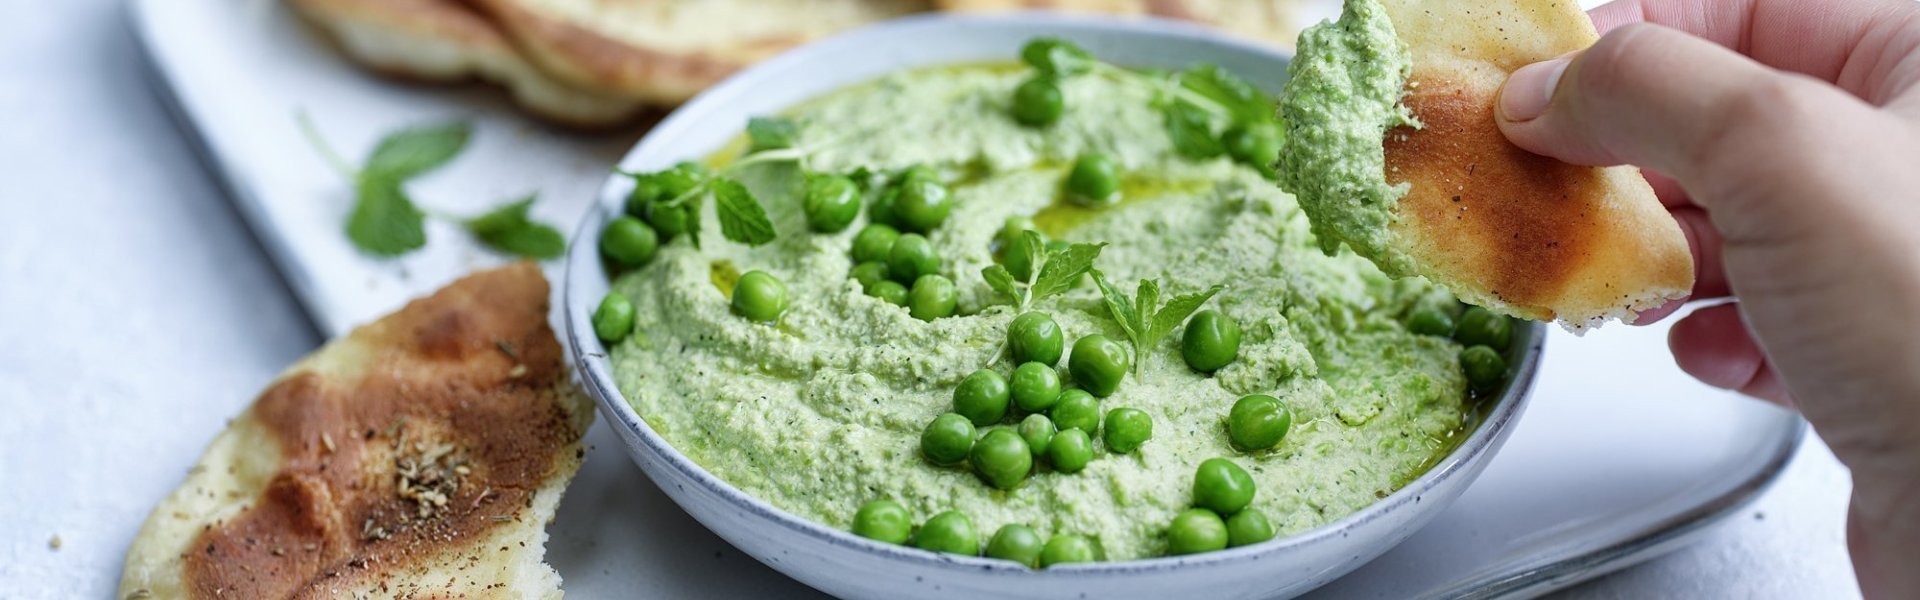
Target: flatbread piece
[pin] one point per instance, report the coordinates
(419, 456)
(1270, 21)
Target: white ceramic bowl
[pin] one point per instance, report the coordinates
(849, 566)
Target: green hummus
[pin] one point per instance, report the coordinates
(823, 412)
(1342, 95)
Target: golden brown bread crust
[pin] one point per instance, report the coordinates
(1270, 21)
(407, 452)
(1502, 227)
(585, 52)
(447, 41)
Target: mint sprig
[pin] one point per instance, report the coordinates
(1054, 272)
(1143, 318)
(509, 229)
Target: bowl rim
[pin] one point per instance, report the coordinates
(595, 367)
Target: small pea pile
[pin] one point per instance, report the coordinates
(629, 241)
(1485, 334)
(953, 533)
(1220, 517)
(893, 260)
(1059, 424)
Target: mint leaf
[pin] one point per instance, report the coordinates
(1056, 57)
(1191, 129)
(771, 133)
(1001, 281)
(384, 221)
(742, 219)
(1121, 309)
(1176, 312)
(415, 150)
(1064, 268)
(1248, 104)
(508, 229)
(1035, 250)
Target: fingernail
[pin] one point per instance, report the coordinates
(1530, 89)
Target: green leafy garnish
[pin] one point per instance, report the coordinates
(1245, 103)
(415, 150)
(742, 219)
(1143, 318)
(508, 229)
(771, 133)
(1054, 272)
(1057, 57)
(384, 222)
(1191, 128)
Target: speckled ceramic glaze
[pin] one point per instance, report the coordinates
(849, 566)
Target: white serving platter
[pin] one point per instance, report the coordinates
(1619, 458)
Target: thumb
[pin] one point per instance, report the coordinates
(1658, 98)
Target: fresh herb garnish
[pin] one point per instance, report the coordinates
(508, 229)
(742, 219)
(386, 222)
(1053, 273)
(771, 133)
(1143, 318)
(1199, 106)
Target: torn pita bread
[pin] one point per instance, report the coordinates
(665, 51)
(419, 456)
(1501, 227)
(1270, 21)
(446, 41)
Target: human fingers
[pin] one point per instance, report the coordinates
(1713, 345)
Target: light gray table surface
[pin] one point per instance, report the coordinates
(130, 291)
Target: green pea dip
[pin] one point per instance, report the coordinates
(823, 411)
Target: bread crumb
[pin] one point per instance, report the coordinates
(54, 543)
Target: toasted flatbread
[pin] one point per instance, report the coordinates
(665, 51)
(419, 456)
(1503, 228)
(447, 41)
(1270, 21)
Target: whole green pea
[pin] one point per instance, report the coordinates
(1484, 368)
(1098, 363)
(1257, 422)
(759, 297)
(874, 243)
(950, 532)
(1196, 530)
(1066, 548)
(1482, 327)
(831, 203)
(1038, 431)
(1249, 526)
(883, 520)
(1002, 458)
(1038, 102)
(880, 211)
(668, 221)
(981, 397)
(947, 439)
(613, 319)
(1070, 451)
(1212, 341)
(890, 291)
(1127, 429)
(1430, 321)
(911, 257)
(628, 242)
(1093, 181)
(922, 204)
(1221, 486)
(869, 273)
(1017, 543)
(1076, 409)
(1035, 337)
(1035, 387)
(932, 297)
